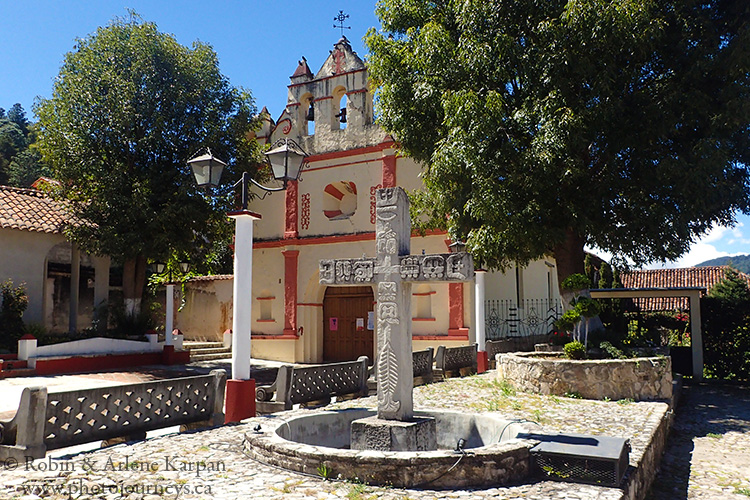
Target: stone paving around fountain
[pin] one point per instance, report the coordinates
(210, 464)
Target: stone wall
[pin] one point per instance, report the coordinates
(548, 373)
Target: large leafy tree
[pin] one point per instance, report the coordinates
(129, 108)
(546, 126)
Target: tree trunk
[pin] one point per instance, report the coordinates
(133, 281)
(569, 256)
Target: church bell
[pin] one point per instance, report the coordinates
(341, 115)
(310, 113)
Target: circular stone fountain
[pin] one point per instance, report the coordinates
(490, 452)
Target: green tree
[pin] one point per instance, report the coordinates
(547, 126)
(12, 142)
(726, 328)
(129, 108)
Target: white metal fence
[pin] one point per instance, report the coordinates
(504, 318)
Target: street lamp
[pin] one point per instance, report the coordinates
(286, 159)
(160, 268)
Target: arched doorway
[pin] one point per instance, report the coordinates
(346, 332)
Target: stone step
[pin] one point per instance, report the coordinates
(17, 372)
(212, 350)
(209, 357)
(189, 344)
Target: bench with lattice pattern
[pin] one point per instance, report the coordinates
(52, 420)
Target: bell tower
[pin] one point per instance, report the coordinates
(331, 110)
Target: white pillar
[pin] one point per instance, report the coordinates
(696, 335)
(479, 319)
(169, 316)
(243, 297)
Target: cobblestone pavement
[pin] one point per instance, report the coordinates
(708, 452)
(210, 464)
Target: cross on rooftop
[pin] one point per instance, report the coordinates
(340, 18)
(393, 271)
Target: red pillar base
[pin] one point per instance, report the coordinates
(483, 363)
(167, 355)
(240, 400)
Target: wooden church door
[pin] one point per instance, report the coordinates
(346, 332)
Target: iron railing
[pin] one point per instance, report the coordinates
(503, 318)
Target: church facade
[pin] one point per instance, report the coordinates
(330, 213)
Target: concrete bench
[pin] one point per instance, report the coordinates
(313, 384)
(422, 368)
(456, 361)
(52, 420)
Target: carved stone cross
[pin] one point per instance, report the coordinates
(393, 271)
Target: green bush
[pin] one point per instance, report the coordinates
(576, 282)
(726, 329)
(568, 320)
(575, 350)
(612, 351)
(14, 303)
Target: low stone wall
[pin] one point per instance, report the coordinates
(547, 373)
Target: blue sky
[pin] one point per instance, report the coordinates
(258, 44)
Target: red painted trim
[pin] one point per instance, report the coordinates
(75, 364)
(389, 171)
(293, 105)
(11, 356)
(325, 78)
(240, 400)
(334, 191)
(349, 164)
(291, 219)
(332, 213)
(449, 338)
(11, 364)
(351, 152)
(456, 305)
(323, 98)
(240, 213)
(309, 304)
(291, 258)
(274, 337)
(360, 91)
(424, 319)
(326, 240)
(459, 332)
(483, 362)
(265, 321)
(28, 336)
(265, 298)
(424, 294)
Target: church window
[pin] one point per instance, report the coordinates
(340, 200)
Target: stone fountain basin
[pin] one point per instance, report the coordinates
(318, 444)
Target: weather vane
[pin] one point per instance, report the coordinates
(340, 19)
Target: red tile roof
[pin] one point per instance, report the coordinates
(703, 277)
(31, 210)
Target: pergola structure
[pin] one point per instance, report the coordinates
(694, 296)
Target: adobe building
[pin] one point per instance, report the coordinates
(35, 253)
(330, 213)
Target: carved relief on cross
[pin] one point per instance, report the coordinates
(392, 272)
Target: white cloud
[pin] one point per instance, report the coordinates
(699, 252)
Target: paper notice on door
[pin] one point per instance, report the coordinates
(371, 320)
(360, 324)
(333, 324)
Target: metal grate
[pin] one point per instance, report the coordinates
(588, 459)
